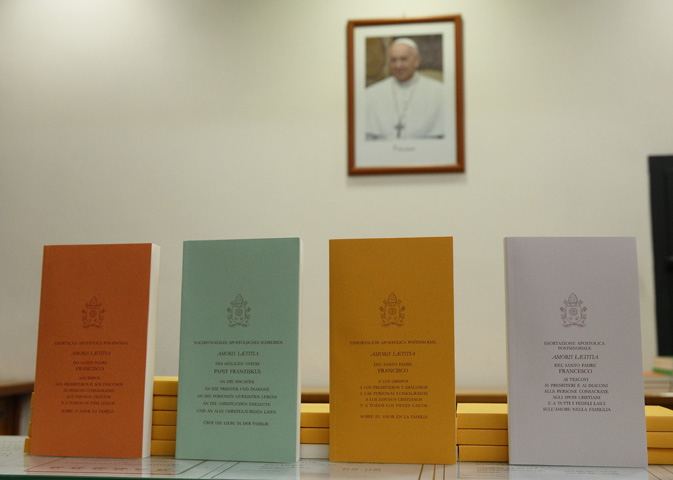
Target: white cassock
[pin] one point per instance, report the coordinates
(399, 110)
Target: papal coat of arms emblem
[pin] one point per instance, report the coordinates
(392, 311)
(92, 314)
(573, 311)
(238, 312)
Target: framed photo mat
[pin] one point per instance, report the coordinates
(440, 42)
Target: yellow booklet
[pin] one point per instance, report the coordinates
(163, 432)
(314, 435)
(164, 417)
(392, 379)
(483, 453)
(165, 402)
(481, 436)
(658, 418)
(660, 440)
(314, 415)
(165, 385)
(660, 456)
(163, 447)
(482, 415)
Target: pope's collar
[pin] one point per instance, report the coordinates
(409, 83)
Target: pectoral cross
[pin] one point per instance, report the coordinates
(399, 128)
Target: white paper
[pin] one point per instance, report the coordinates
(574, 352)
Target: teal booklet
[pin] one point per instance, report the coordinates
(238, 383)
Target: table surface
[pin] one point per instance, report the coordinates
(14, 464)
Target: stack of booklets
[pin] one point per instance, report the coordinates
(314, 431)
(164, 415)
(659, 422)
(482, 433)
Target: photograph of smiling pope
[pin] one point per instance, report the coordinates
(406, 103)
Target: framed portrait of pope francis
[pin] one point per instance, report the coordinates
(405, 96)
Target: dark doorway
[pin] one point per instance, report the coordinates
(661, 198)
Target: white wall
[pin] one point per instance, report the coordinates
(167, 120)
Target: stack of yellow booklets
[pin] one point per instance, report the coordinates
(659, 421)
(482, 432)
(164, 415)
(314, 431)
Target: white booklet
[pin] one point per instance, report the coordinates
(575, 376)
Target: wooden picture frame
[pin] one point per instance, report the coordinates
(405, 96)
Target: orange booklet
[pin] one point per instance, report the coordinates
(392, 380)
(95, 352)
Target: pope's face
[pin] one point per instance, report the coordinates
(403, 61)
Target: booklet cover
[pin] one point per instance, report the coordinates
(95, 351)
(392, 382)
(239, 388)
(574, 352)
